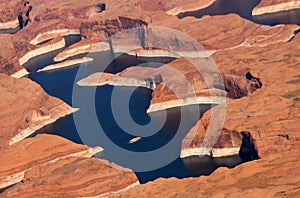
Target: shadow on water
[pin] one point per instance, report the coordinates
(205, 165)
(283, 17)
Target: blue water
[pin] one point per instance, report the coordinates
(60, 84)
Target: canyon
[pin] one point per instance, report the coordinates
(237, 66)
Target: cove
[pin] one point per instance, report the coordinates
(174, 129)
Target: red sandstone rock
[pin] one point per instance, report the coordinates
(271, 113)
(48, 165)
(271, 6)
(229, 31)
(74, 177)
(59, 19)
(173, 7)
(20, 157)
(277, 11)
(25, 108)
(275, 176)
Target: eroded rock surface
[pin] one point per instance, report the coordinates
(76, 177)
(69, 18)
(25, 108)
(271, 113)
(22, 156)
(180, 80)
(257, 61)
(48, 165)
(173, 7)
(261, 178)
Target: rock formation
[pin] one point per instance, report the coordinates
(267, 124)
(76, 177)
(172, 7)
(277, 12)
(15, 16)
(258, 66)
(24, 112)
(260, 178)
(48, 165)
(237, 86)
(61, 23)
(169, 92)
(34, 151)
(250, 35)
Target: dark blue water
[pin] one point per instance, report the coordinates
(60, 84)
(243, 8)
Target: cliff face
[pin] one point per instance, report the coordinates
(24, 112)
(107, 28)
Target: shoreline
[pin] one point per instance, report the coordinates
(55, 115)
(186, 102)
(215, 152)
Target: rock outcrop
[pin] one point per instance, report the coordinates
(261, 178)
(74, 177)
(148, 41)
(180, 84)
(48, 165)
(69, 19)
(277, 11)
(238, 86)
(26, 108)
(15, 17)
(259, 65)
(42, 149)
(12, 48)
(240, 33)
(46, 21)
(172, 7)
(269, 115)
